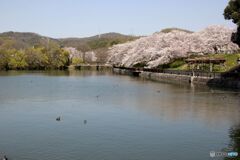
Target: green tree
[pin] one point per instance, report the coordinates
(60, 58)
(4, 59)
(48, 56)
(57, 57)
(232, 12)
(36, 58)
(17, 60)
(77, 60)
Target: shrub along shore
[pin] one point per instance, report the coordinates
(35, 58)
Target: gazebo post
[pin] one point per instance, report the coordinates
(238, 60)
(211, 67)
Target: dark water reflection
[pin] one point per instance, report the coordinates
(127, 118)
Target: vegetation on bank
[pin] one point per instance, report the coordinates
(41, 57)
(98, 44)
(32, 51)
(180, 64)
(28, 51)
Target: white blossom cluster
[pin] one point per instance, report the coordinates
(73, 52)
(161, 48)
(89, 56)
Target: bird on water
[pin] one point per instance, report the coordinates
(58, 119)
(5, 157)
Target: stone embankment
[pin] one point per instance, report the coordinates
(210, 80)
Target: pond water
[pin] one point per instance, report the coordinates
(111, 117)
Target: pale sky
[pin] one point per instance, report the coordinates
(81, 18)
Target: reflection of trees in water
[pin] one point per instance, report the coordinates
(234, 145)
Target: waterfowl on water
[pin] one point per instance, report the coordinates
(5, 157)
(58, 119)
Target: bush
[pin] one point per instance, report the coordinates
(140, 65)
(177, 63)
(17, 60)
(77, 60)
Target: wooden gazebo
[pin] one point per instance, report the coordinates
(205, 61)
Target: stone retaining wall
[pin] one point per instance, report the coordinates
(93, 67)
(184, 79)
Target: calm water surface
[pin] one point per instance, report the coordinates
(126, 118)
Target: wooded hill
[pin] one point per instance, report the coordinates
(23, 40)
(33, 51)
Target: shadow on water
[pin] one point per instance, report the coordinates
(54, 73)
(35, 72)
(229, 79)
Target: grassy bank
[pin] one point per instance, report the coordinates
(231, 61)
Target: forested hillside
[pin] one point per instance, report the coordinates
(33, 51)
